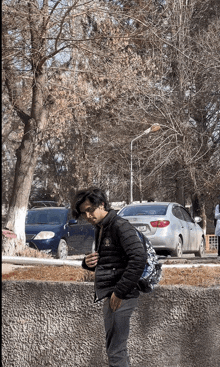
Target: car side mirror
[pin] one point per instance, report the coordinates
(72, 221)
(197, 219)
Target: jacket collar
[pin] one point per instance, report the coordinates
(107, 219)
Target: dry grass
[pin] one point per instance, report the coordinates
(30, 252)
(195, 276)
(51, 273)
(199, 276)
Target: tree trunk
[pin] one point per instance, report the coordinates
(199, 210)
(180, 191)
(204, 219)
(35, 124)
(27, 156)
(24, 170)
(140, 188)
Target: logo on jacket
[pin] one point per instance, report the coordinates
(107, 241)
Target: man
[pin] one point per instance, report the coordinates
(118, 261)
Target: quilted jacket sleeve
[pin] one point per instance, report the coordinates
(136, 255)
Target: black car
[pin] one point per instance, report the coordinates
(54, 231)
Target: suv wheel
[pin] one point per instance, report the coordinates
(62, 251)
(179, 248)
(201, 251)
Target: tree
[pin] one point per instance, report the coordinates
(184, 97)
(35, 36)
(143, 72)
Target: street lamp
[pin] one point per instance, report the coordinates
(153, 128)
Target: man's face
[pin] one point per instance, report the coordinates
(91, 213)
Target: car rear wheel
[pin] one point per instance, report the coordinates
(179, 248)
(201, 251)
(62, 251)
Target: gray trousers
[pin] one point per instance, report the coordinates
(117, 326)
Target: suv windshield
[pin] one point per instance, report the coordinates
(52, 216)
(131, 211)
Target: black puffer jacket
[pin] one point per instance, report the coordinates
(122, 258)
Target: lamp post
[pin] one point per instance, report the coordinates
(153, 128)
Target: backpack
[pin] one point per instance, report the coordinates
(152, 273)
(153, 269)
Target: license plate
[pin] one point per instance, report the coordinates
(142, 228)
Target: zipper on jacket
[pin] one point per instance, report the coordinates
(96, 297)
(95, 288)
(99, 238)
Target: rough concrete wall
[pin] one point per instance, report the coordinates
(57, 324)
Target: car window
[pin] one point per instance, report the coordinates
(186, 215)
(46, 217)
(82, 220)
(177, 212)
(143, 210)
(69, 216)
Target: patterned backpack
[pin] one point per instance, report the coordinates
(152, 273)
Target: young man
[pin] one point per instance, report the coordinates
(118, 261)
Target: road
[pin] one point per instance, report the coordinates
(191, 259)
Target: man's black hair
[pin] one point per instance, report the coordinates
(95, 195)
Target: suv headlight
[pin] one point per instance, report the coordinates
(44, 235)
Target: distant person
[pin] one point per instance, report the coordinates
(118, 261)
(217, 227)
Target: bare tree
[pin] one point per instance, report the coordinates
(34, 35)
(145, 71)
(184, 97)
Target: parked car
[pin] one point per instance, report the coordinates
(53, 230)
(169, 227)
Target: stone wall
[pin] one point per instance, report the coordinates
(57, 324)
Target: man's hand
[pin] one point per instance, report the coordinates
(115, 302)
(91, 260)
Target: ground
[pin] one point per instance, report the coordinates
(196, 276)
